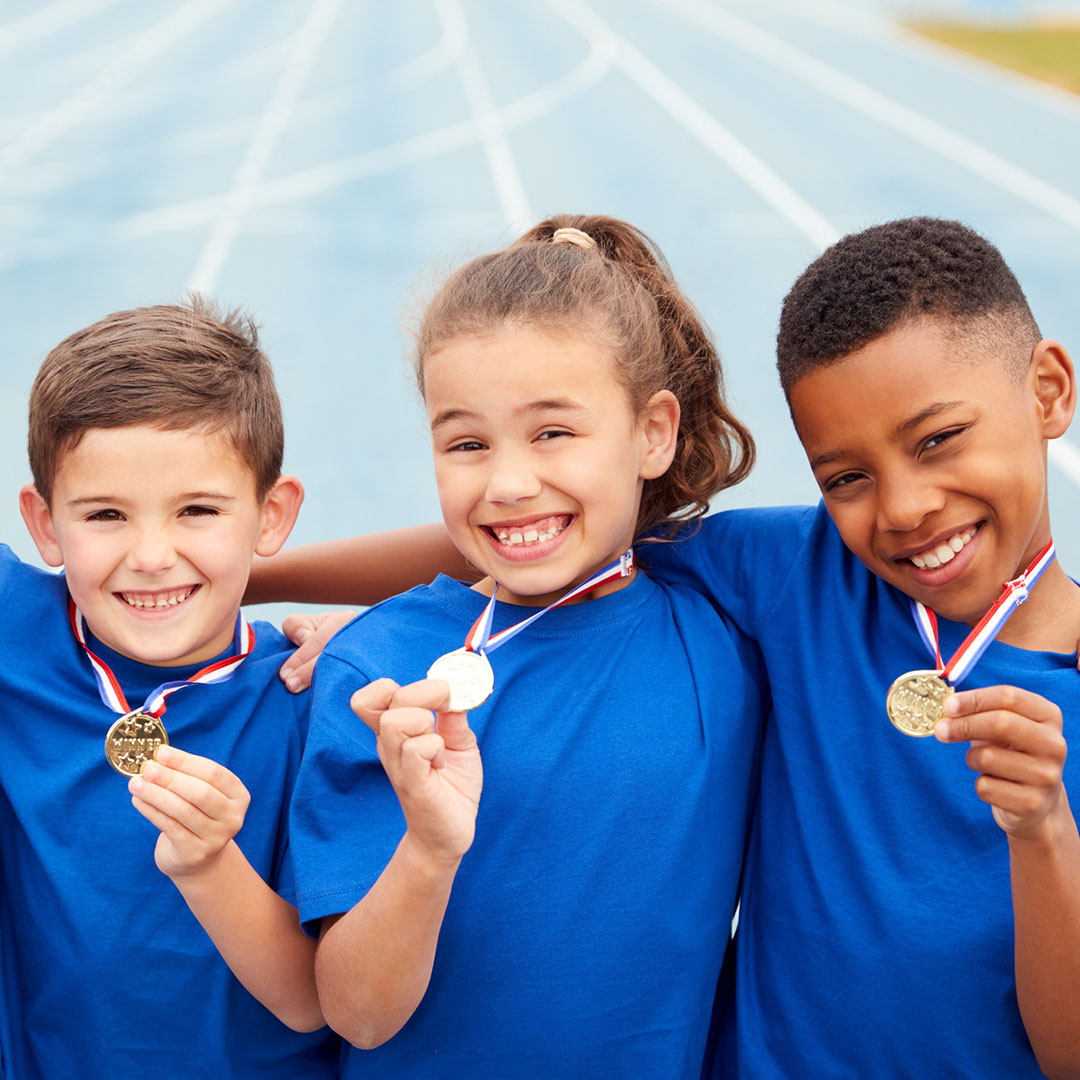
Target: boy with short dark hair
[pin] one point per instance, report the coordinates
(891, 924)
(156, 449)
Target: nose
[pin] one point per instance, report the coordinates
(152, 550)
(905, 501)
(512, 479)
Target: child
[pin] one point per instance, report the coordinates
(890, 922)
(573, 399)
(156, 448)
(888, 925)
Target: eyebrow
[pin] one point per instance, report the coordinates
(932, 410)
(118, 500)
(563, 405)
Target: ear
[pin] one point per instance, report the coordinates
(660, 426)
(279, 514)
(35, 512)
(1055, 387)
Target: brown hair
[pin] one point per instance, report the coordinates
(624, 292)
(174, 367)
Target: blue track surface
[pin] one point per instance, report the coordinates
(324, 162)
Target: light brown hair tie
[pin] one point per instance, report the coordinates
(574, 236)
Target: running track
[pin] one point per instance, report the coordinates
(324, 161)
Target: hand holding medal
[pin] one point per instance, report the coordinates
(916, 700)
(436, 772)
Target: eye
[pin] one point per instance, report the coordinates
(844, 480)
(105, 515)
(467, 446)
(941, 437)
(555, 433)
(200, 511)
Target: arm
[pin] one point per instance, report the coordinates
(361, 570)
(374, 963)
(1019, 751)
(199, 807)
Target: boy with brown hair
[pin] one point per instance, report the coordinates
(156, 449)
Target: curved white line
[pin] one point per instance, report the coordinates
(132, 56)
(20, 33)
(305, 48)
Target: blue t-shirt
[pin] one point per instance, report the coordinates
(587, 923)
(876, 930)
(106, 973)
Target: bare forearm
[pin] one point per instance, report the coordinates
(258, 935)
(1046, 907)
(360, 570)
(374, 963)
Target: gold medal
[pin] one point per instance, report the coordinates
(470, 677)
(916, 702)
(132, 740)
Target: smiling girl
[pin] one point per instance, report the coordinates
(574, 404)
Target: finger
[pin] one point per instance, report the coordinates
(1007, 698)
(174, 807)
(311, 633)
(1005, 728)
(1016, 799)
(206, 798)
(400, 725)
(371, 701)
(202, 768)
(1018, 768)
(455, 730)
(421, 754)
(431, 694)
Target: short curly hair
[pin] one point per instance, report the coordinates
(872, 282)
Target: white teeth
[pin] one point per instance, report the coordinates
(942, 553)
(144, 602)
(526, 535)
(530, 536)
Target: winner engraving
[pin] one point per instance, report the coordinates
(132, 740)
(916, 702)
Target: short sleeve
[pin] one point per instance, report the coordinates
(345, 821)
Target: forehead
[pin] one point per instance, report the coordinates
(515, 364)
(885, 388)
(139, 456)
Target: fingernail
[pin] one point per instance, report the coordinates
(163, 754)
(303, 634)
(135, 785)
(151, 771)
(941, 730)
(293, 683)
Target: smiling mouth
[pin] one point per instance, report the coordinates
(535, 532)
(945, 552)
(160, 600)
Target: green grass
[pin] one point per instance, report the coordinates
(1048, 50)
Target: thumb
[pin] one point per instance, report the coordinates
(298, 628)
(455, 731)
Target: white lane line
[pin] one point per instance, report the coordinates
(132, 56)
(408, 152)
(869, 26)
(857, 95)
(20, 33)
(703, 126)
(509, 186)
(884, 110)
(305, 48)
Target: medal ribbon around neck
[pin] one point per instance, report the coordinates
(916, 701)
(468, 670)
(133, 738)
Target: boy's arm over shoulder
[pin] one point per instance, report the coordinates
(740, 559)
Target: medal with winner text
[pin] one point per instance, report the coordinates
(916, 701)
(132, 740)
(468, 670)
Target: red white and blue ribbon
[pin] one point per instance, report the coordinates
(112, 694)
(1013, 594)
(479, 638)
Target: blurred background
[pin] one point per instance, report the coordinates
(325, 162)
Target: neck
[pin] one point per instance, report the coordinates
(1049, 621)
